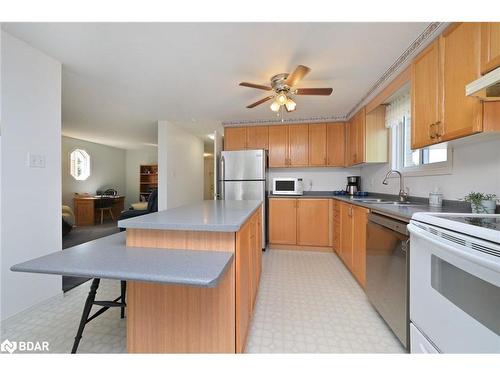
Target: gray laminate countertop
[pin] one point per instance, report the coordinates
(210, 216)
(401, 212)
(109, 258)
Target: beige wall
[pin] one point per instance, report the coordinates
(107, 169)
(145, 155)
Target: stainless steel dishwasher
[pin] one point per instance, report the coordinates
(387, 272)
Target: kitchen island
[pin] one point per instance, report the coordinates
(192, 275)
(166, 318)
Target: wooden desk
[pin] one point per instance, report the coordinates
(86, 213)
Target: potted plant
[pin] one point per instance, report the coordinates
(481, 203)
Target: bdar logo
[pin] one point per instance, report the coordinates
(8, 346)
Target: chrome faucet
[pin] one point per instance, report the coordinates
(403, 192)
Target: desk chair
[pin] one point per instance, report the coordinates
(105, 204)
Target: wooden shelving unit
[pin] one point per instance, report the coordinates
(148, 180)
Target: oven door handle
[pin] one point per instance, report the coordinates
(456, 250)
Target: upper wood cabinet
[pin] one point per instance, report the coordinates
(278, 146)
(336, 144)
(490, 46)
(313, 222)
(318, 145)
(288, 146)
(425, 96)
(243, 138)
(235, 138)
(440, 109)
(257, 137)
(367, 137)
(298, 145)
(462, 115)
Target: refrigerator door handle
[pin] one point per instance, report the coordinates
(222, 177)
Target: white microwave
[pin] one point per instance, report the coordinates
(288, 186)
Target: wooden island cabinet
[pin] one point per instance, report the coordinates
(169, 318)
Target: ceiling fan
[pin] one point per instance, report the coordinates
(283, 85)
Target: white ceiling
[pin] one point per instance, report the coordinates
(120, 78)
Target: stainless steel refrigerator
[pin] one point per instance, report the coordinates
(242, 176)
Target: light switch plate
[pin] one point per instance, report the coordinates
(36, 160)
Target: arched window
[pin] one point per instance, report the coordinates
(79, 164)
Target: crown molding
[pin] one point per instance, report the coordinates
(227, 124)
(400, 64)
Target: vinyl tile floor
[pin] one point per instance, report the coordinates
(307, 303)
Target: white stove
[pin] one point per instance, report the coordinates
(454, 283)
(483, 226)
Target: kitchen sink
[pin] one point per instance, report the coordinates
(385, 201)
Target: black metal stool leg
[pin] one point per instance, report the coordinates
(86, 312)
(123, 287)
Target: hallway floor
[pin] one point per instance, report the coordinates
(307, 303)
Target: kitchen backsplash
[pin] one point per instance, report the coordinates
(476, 167)
(315, 178)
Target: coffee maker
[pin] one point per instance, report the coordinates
(353, 185)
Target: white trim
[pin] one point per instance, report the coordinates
(433, 169)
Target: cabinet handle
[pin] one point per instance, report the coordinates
(437, 133)
(431, 133)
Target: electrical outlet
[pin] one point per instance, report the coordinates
(36, 160)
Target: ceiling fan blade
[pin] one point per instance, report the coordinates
(299, 73)
(260, 101)
(315, 91)
(255, 86)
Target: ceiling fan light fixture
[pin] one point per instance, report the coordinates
(281, 98)
(290, 105)
(275, 106)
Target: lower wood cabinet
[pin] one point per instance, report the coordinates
(304, 223)
(283, 221)
(313, 222)
(300, 222)
(353, 220)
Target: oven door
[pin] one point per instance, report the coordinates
(454, 291)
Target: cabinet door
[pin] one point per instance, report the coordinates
(359, 220)
(351, 142)
(313, 222)
(490, 46)
(425, 96)
(461, 59)
(346, 234)
(336, 140)
(235, 139)
(298, 145)
(359, 156)
(283, 221)
(317, 145)
(243, 283)
(336, 228)
(278, 146)
(258, 250)
(257, 137)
